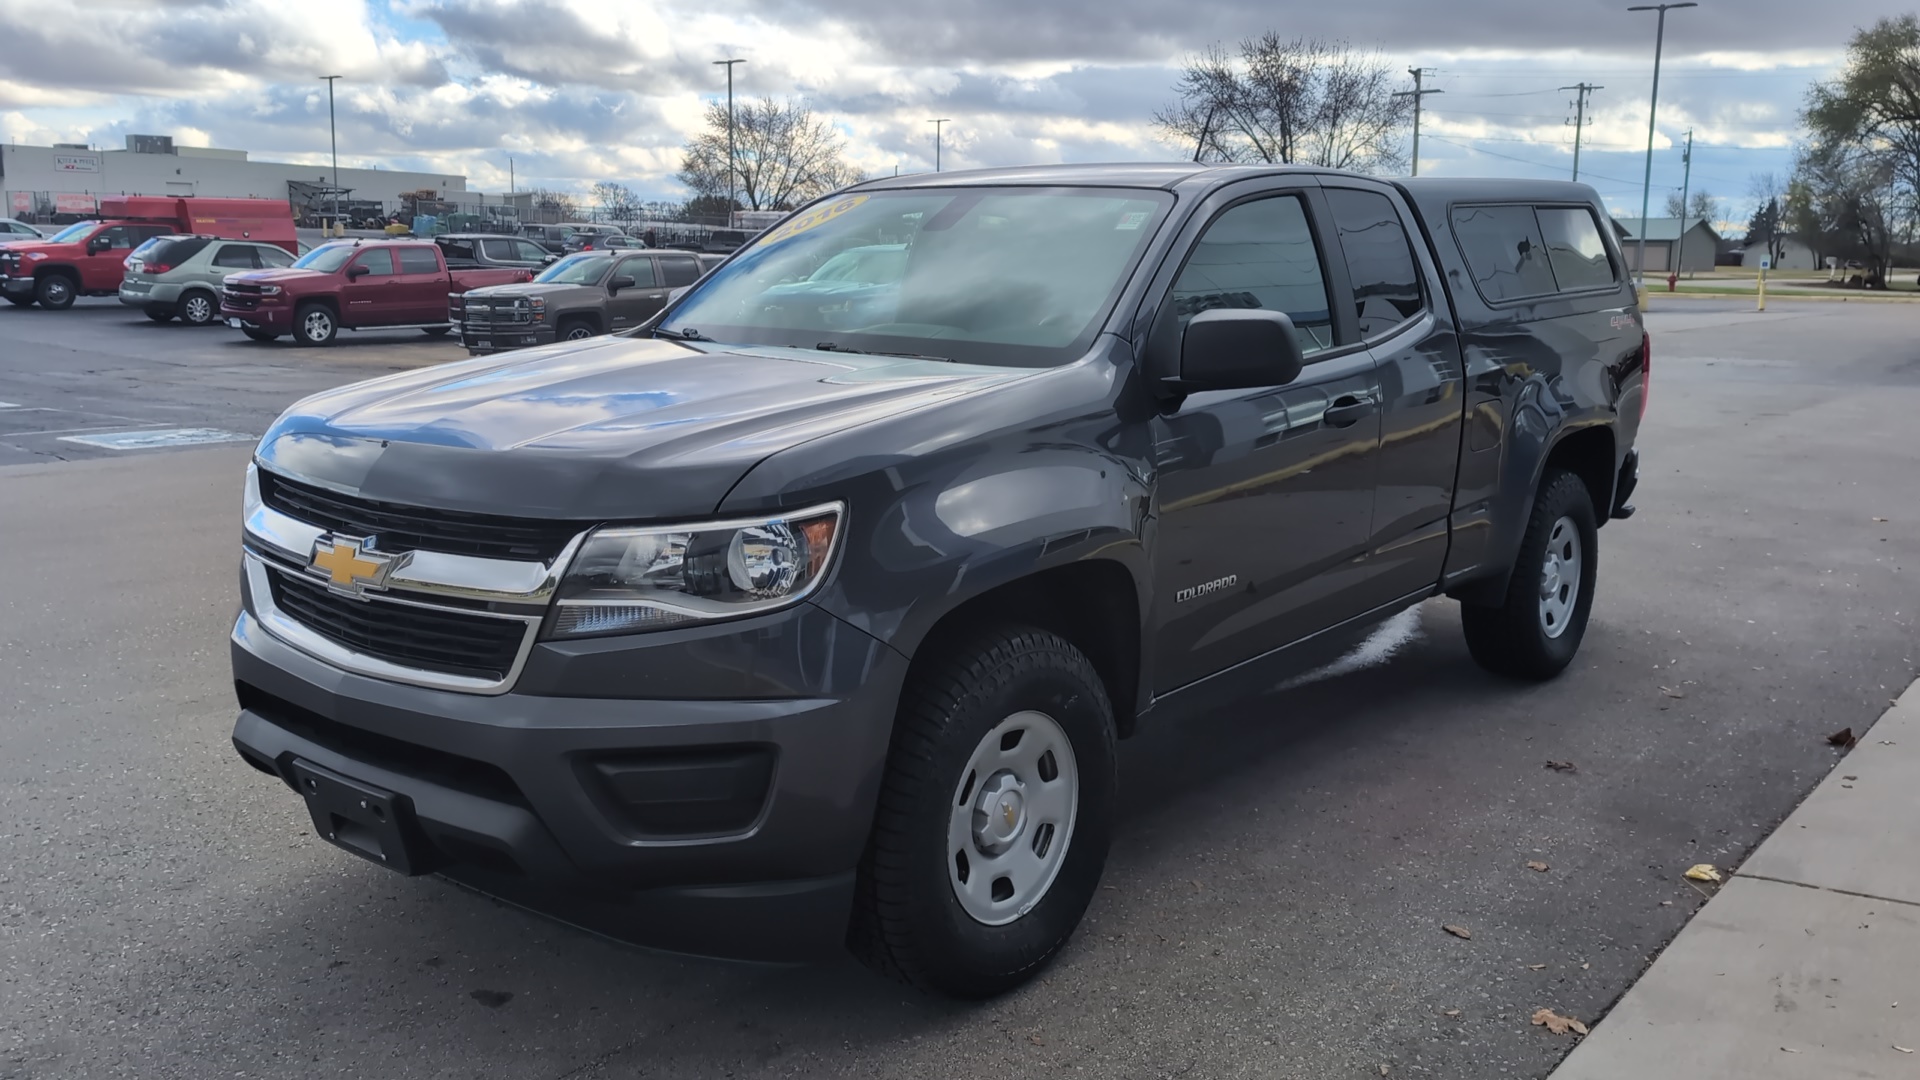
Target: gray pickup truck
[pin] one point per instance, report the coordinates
(774, 627)
(581, 296)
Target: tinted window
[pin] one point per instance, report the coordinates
(503, 250)
(457, 249)
(234, 257)
(679, 270)
(1504, 250)
(418, 260)
(1259, 255)
(530, 252)
(1386, 280)
(273, 256)
(173, 252)
(117, 238)
(1574, 247)
(379, 262)
(640, 270)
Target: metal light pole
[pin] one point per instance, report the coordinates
(936, 140)
(1653, 106)
(732, 162)
(1418, 95)
(333, 139)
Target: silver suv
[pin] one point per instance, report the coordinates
(180, 276)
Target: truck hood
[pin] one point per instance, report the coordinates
(611, 429)
(279, 276)
(526, 288)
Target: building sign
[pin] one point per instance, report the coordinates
(76, 163)
(66, 203)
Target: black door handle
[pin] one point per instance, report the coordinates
(1349, 409)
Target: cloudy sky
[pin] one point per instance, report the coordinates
(583, 90)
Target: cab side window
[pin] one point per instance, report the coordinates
(1386, 280)
(1504, 250)
(1259, 254)
(640, 270)
(113, 238)
(379, 262)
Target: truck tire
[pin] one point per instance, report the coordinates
(260, 335)
(159, 315)
(314, 324)
(1535, 634)
(574, 330)
(20, 301)
(436, 331)
(54, 292)
(197, 307)
(994, 816)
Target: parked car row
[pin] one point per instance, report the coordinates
(90, 258)
(354, 285)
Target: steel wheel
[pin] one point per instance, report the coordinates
(1012, 818)
(1560, 578)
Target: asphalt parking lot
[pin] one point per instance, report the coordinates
(1279, 881)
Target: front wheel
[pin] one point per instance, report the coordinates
(314, 325)
(20, 301)
(1535, 634)
(54, 292)
(994, 817)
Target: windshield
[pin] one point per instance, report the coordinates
(326, 258)
(73, 232)
(1010, 276)
(581, 269)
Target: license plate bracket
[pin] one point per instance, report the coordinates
(371, 822)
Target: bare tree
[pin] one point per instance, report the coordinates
(782, 156)
(617, 201)
(1701, 204)
(555, 205)
(1296, 101)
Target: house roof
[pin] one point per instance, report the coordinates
(1662, 228)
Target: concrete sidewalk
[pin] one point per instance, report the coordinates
(1807, 963)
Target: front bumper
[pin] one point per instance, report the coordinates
(551, 796)
(275, 317)
(481, 340)
(16, 286)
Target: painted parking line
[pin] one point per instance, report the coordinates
(8, 405)
(157, 438)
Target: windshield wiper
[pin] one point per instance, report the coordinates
(689, 334)
(828, 346)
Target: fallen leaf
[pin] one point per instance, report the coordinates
(1458, 931)
(1035, 1040)
(1844, 737)
(1537, 865)
(1789, 1049)
(1452, 1012)
(1556, 1023)
(1562, 766)
(1703, 872)
(1666, 903)
(1584, 967)
(1536, 967)
(1849, 778)
(1671, 692)
(1196, 884)
(1384, 1070)
(1903, 1049)
(1879, 519)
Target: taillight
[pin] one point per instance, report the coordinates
(156, 268)
(1646, 370)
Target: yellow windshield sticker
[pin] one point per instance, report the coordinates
(813, 218)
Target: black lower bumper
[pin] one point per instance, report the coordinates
(1624, 484)
(16, 286)
(618, 815)
(481, 340)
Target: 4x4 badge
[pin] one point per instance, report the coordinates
(351, 566)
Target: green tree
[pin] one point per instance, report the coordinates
(1858, 177)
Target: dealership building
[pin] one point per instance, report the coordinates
(63, 182)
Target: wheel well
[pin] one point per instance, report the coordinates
(564, 321)
(319, 301)
(67, 272)
(1589, 455)
(1092, 604)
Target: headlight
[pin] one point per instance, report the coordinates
(630, 579)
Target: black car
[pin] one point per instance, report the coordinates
(769, 628)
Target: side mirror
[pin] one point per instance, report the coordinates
(549, 260)
(621, 282)
(99, 244)
(1237, 349)
(356, 272)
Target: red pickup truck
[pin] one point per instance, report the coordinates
(353, 285)
(89, 258)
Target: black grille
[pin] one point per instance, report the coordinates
(450, 642)
(414, 528)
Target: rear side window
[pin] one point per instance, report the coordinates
(679, 270)
(1259, 254)
(1575, 249)
(173, 252)
(1386, 281)
(234, 257)
(418, 260)
(1504, 251)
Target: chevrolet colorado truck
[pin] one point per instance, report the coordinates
(758, 633)
(88, 258)
(353, 285)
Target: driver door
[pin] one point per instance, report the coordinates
(636, 303)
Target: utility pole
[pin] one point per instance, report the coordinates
(510, 187)
(1206, 131)
(1580, 119)
(333, 140)
(732, 162)
(1653, 108)
(936, 140)
(1418, 95)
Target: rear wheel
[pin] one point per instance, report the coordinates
(314, 324)
(1535, 634)
(159, 315)
(197, 308)
(54, 292)
(260, 335)
(994, 816)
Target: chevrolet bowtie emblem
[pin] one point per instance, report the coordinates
(351, 567)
